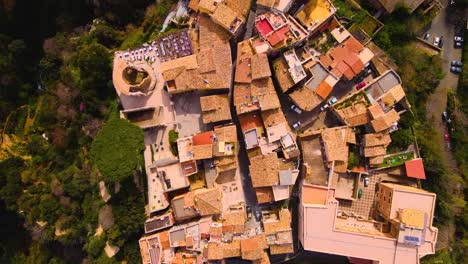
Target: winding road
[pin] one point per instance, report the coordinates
(443, 25)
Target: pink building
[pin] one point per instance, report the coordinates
(403, 232)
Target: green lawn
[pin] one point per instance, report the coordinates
(396, 160)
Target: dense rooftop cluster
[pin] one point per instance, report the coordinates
(318, 118)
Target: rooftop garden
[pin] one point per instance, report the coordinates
(397, 159)
(359, 97)
(359, 17)
(173, 136)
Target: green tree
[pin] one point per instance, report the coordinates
(95, 246)
(94, 64)
(117, 149)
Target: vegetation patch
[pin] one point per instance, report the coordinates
(173, 136)
(396, 160)
(117, 149)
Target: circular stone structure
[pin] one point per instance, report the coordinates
(133, 78)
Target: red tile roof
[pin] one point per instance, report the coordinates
(323, 90)
(278, 36)
(344, 59)
(250, 121)
(415, 169)
(205, 138)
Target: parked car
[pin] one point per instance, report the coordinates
(427, 36)
(456, 70)
(258, 215)
(359, 194)
(456, 63)
(436, 41)
(297, 124)
(361, 85)
(324, 107)
(444, 116)
(249, 211)
(441, 42)
(458, 38)
(446, 136)
(296, 109)
(366, 181)
(332, 100)
(458, 45)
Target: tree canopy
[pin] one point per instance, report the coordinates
(117, 149)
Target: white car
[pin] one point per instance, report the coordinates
(436, 41)
(296, 109)
(324, 107)
(297, 124)
(458, 38)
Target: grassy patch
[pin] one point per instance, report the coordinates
(173, 136)
(396, 160)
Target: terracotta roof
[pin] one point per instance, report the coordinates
(375, 110)
(209, 201)
(281, 249)
(232, 249)
(264, 170)
(215, 251)
(260, 66)
(215, 108)
(264, 195)
(216, 232)
(204, 138)
(210, 33)
(273, 117)
(193, 4)
(201, 152)
(415, 169)
(252, 248)
(241, 7)
(344, 60)
(226, 133)
(385, 121)
(323, 90)
(355, 115)
(376, 139)
(305, 99)
(250, 121)
(164, 239)
(393, 96)
(374, 151)
(282, 74)
(279, 35)
(282, 224)
(226, 163)
(208, 5)
(210, 68)
(243, 64)
(335, 142)
(265, 93)
(224, 16)
(236, 220)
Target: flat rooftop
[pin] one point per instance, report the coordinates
(312, 154)
(315, 12)
(383, 84)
